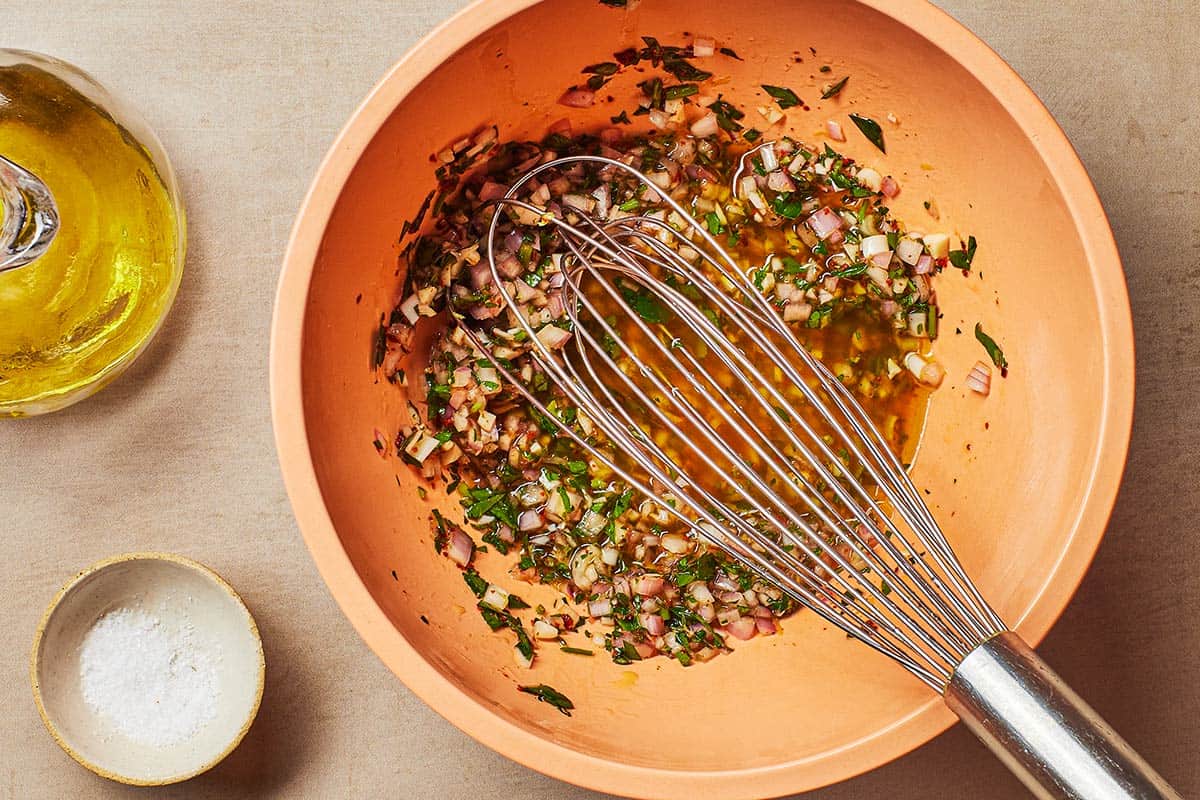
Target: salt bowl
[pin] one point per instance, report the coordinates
(148, 668)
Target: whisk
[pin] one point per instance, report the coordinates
(764, 453)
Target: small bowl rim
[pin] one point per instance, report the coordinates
(35, 661)
(921, 724)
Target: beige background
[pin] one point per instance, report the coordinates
(178, 455)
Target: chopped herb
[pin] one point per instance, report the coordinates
(627, 653)
(727, 114)
(604, 68)
(627, 57)
(713, 222)
(576, 651)
(493, 618)
(680, 91)
(826, 68)
(787, 204)
(752, 135)
(684, 70)
(379, 352)
(484, 502)
(493, 538)
(963, 258)
(784, 96)
(441, 534)
(728, 51)
(834, 89)
(621, 119)
(544, 693)
(644, 304)
(653, 89)
(702, 569)
(870, 129)
(475, 581)
(993, 349)
(852, 271)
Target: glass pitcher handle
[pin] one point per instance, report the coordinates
(30, 218)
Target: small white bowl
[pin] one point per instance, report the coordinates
(178, 591)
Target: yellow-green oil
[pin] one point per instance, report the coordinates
(73, 319)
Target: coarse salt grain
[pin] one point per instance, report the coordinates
(154, 682)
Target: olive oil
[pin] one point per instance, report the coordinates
(73, 319)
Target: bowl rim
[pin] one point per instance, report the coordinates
(35, 661)
(475, 719)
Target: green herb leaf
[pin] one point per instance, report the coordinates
(713, 222)
(684, 70)
(870, 129)
(603, 68)
(475, 581)
(784, 96)
(576, 651)
(379, 351)
(834, 89)
(752, 135)
(644, 304)
(787, 204)
(653, 89)
(727, 114)
(728, 51)
(548, 694)
(852, 271)
(492, 538)
(621, 119)
(493, 618)
(963, 258)
(681, 90)
(993, 349)
(791, 266)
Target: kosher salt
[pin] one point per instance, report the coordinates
(154, 682)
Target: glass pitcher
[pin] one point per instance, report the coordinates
(92, 235)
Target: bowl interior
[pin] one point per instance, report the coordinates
(1012, 477)
(178, 595)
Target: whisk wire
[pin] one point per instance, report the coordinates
(881, 589)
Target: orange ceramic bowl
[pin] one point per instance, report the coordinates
(1023, 481)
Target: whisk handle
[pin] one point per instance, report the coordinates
(1045, 733)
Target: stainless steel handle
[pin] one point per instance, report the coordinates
(28, 216)
(1053, 741)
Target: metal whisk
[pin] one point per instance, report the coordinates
(766, 454)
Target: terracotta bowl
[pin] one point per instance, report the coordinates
(1023, 481)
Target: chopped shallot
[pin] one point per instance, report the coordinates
(578, 98)
(979, 379)
(460, 547)
(824, 222)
